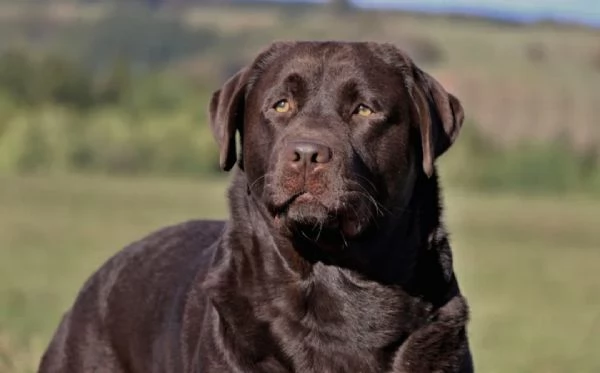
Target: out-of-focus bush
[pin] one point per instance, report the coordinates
(146, 38)
(56, 116)
(17, 73)
(108, 140)
(62, 82)
(28, 80)
(477, 162)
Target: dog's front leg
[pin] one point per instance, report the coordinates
(440, 346)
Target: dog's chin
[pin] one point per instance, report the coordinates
(307, 217)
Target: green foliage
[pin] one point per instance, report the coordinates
(57, 117)
(147, 39)
(63, 82)
(477, 162)
(105, 104)
(110, 140)
(17, 73)
(31, 81)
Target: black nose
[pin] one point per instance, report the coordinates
(307, 153)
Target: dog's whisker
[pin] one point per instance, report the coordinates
(305, 235)
(344, 239)
(266, 176)
(367, 180)
(378, 206)
(320, 230)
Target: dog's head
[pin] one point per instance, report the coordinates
(333, 134)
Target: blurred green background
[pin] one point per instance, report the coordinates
(103, 138)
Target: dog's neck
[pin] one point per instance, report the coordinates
(411, 242)
(276, 286)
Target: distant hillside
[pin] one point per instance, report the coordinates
(518, 83)
(585, 12)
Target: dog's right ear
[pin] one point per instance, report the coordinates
(227, 116)
(440, 115)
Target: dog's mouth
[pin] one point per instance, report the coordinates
(305, 214)
(303, 209)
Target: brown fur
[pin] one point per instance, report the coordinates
(334, 258)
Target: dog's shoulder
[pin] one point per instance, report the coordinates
(141, 288)
(165, 252)
(152, 267)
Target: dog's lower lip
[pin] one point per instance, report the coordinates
(351, 227)
(301, 197)
(304, 197)
(280, 210)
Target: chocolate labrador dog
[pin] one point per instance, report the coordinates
(334, 258)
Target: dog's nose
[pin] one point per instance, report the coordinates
(306, 153)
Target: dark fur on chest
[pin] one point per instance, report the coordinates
(323, 317)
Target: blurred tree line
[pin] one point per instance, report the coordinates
(111, 96)
(57, 116)
(103, 97)
(53, 79)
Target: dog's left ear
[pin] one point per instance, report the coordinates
(227, 116)
(227, 105)
(439, 114)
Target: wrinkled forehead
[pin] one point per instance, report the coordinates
(332, 64)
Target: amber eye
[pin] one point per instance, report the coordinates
(363, 110)
(282, 106)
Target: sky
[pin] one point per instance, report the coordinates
(577, 11)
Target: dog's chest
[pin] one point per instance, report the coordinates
(336, 322)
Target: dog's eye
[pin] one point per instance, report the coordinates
(363, 110)
(282, 106)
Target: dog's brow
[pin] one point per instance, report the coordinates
(293, 78)
(350, 90)
(290, 67)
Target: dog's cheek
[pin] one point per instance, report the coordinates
(258, 157)
(389, 152)
(358, 218)
(351, 225)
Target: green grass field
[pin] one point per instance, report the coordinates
(529, 266)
